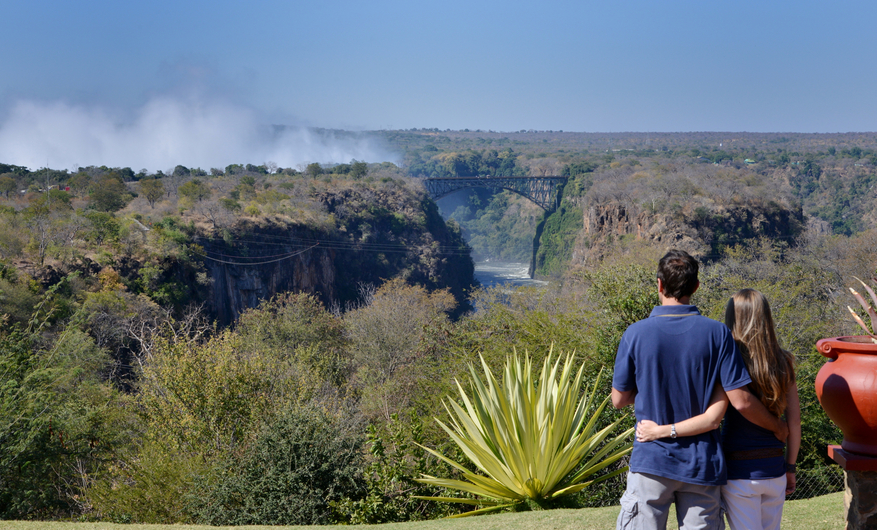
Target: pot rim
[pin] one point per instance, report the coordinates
(833, 346)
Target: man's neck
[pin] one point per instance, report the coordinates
(685, 300)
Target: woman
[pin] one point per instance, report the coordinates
(759, 474)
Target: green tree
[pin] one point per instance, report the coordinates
(109, 194)
(152, 190)
(314, 170)
(7, 184)
(196, 401)
(17, 297)
(200, 402)
(246, 189)
(624, 294)
(58, 419)
(80, 183)
(557, 234)
(230, 204)
(396, 460)
(208, 398)
(358, 169)
(104, 226)
(195, 190)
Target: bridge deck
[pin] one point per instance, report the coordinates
(544, 191)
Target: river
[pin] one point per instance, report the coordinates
(492, 273)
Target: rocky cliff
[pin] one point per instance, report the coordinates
(264, 261)
(703, 230)
(369, 237)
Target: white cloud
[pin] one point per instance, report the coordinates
(166, 132)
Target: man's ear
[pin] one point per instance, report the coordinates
(696, 286)
(660, 286)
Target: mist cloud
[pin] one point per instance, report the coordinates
(166, 132)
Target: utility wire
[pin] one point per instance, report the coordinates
(285, 254)
(291, 255)
(285, 241)
(343, 245)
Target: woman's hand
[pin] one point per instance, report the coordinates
(647, 430)
(790, 483)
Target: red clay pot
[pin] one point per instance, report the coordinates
(847, 389)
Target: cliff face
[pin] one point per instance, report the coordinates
(702, 231)
(368, 240)
(266, 261)
(606, 223)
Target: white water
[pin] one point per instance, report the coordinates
(492, 273)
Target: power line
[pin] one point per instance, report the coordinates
(343, 245)
(291, 255)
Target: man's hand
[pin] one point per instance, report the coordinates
(754, 410)
(790, 483)
(782, 431)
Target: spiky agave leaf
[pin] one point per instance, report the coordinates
(861, 323)
(868, 309)
(866, 306)
(867, 287)
(528, 436)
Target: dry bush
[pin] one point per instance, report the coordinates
(385, 333)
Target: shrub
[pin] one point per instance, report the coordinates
(385, 334)
(296, 327)
(148, 486)
(300, 463)
(396, 459)
(58, 419)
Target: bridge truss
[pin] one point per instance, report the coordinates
(544, 191)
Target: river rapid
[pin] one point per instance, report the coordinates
(494, 273)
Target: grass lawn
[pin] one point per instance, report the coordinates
(818, 513)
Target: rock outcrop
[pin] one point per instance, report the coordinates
(333, 262)
(269, 260)
(701, 231)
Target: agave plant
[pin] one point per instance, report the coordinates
(868, 309)
(533, 442)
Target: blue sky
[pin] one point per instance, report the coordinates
(550, 65)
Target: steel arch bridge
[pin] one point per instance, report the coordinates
(544, 191)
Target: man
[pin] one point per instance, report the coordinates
(667, 367)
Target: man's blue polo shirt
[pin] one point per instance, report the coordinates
(673, 360)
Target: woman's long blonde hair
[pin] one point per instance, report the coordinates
(772, 368)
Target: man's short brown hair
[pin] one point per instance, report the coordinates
(677, 271)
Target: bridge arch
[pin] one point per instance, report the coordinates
(544, 191)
